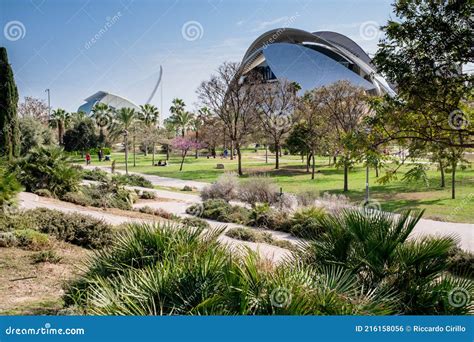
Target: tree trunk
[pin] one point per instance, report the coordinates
(346, 176)
(308, 156)
(126, 155)
(134, 152)
(302, 157)
(60, 133)
(277, 157)
(153, 154)
(313, 165)
(239, 162)
(266, 153)
(453, 180)
(182, 161)
(377, 170)
(197, 150)
(232, 150)
(441, 169)
(167, 152)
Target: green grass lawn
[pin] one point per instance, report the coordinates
(292, 177)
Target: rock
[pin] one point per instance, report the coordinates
(220, 166)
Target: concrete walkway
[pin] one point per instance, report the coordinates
(463, 231)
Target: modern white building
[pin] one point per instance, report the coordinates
(113, 101)
(313, 59)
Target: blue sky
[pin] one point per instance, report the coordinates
(54, 46)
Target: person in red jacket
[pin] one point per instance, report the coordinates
(88, 158)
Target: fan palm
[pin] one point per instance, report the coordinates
(101, 113)
(149, 116)
(180, 118)
(123, 120)
(60, 119)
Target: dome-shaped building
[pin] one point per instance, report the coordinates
(113, 101)
(313, 59)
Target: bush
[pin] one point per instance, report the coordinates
(187, 188)
(47, 167)
(461, 263)
(157, 212)
(8, 239)
(226, 188)
(44, 193)
(147, 195)
(9, 189)
(31, 239)
(97, 175)
(278, 220)
(132, 180)
(77, 198)
(195, 222)
(258, 190)
(220, 210)
(306, 222)
(307, 198)
(77, 229)
(46, 256)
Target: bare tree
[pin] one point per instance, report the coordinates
(345, 105)
(276, 104)
(232, 98)
(33, 107)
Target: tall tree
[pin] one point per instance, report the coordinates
(233, 99)
(345, 106)
(197, 122)
(9, 127)
(276, 104)
(35, 108)
(102, 114)
(60, 120)
(149, 116)
(122, 121)
(181, 118)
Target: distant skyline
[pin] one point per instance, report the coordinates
(78, 47)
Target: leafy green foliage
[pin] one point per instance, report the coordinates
(49, 256)
(81, 137)
(132, 180)
(306, 223)
(9, 189)
(31, 239)
(47, 167)
(195, 222)
(168, 270)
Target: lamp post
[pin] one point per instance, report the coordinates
(49, 103)
(367, 131)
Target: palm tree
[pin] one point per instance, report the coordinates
(198, 121)
(101, 113)
(123, 120)
(149, 116)
(180, 117)
(60, 119)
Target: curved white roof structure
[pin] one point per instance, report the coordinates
(313, 59)
(112, 100)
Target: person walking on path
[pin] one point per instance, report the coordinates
(100, 155)
(88, 158)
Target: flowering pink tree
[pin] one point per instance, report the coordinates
(184, 145)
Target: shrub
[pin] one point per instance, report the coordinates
(244, 234)
(226, 188)
(46, 256)
(307, 198)
(44, 193)
(31, 239)
(8, 239)
(259, 215)
(163, 270)
(195, 222)
(258, 190)
(147, 195)
(97, 175)
(77, 229)
(157, 212)
(220, 210)
(77, 198)
(461, 263)
(132, 180)
(278, 220)
(187, 188)
(47, 167)
(306, 222)
(9, 189)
